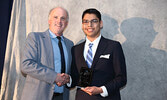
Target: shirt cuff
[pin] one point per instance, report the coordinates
(69, 84)
(105, 92)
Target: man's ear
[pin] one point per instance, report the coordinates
(49, 22)
(67, 23)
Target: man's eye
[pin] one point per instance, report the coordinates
(94, 21)
(63, 18)
(85, 21)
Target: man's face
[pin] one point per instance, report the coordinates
(91, 26)
(58, 21)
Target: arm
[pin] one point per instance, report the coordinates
(31, 65)
(119, 67)
(74, 71)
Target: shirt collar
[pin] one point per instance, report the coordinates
(52, 35)
(95, 42)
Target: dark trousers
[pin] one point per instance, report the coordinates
(57, 96)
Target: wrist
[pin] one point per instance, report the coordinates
(100, 90)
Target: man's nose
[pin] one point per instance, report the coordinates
(90, 24)
(58, 20)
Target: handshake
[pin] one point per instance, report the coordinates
(62, 79)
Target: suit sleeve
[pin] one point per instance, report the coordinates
(30, 61)
(119, 66)
(74, 71)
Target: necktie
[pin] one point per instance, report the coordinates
(89, 57)
(62, 55)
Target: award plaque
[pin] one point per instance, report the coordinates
(85, 77)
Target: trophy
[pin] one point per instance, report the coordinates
(85, 77)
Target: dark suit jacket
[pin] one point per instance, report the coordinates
(109, 72)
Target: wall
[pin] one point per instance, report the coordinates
(138, 24)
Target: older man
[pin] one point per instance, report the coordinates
(46, 60)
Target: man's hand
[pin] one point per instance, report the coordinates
(62, 79)
(92, 90)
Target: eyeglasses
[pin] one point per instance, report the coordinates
(93, 21)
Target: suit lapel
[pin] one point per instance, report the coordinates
(48, 46)
(81, 57)
(100, 49)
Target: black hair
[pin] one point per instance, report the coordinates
(92, 11)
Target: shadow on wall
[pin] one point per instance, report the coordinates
(146, 66)
(110, 26)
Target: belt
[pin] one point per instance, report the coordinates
(57, 94)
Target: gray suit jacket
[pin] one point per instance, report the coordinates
(38, 67)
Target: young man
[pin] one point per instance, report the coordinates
(46, 59)
(103, 57)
